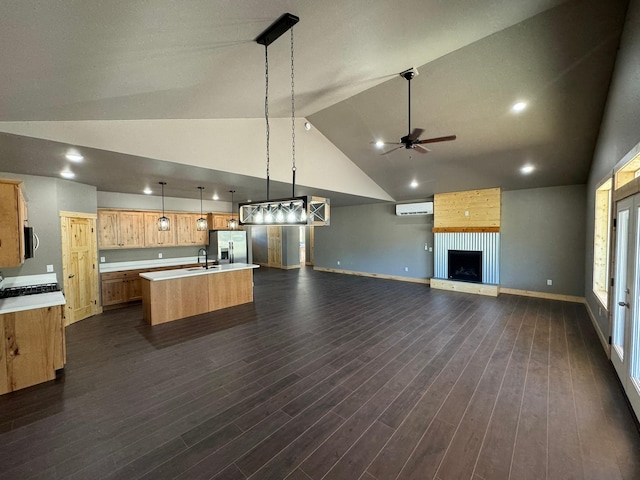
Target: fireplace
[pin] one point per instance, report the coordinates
(465, 265)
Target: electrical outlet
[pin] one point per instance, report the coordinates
(426, 246)
(102, 259)
(466, 213)
(406, 269)
(338, 262)
(49, 268)
(430, 249)
(549, 282)
(159, 255)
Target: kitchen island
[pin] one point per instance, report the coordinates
(174, 294)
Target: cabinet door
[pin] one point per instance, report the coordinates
(108, 229)
(186, 228)
(134, 289)
(114, 291)
(152, 236)
(220, 221)
(201, 237)
(131, 229)
(11, 231)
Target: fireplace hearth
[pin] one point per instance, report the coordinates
(465, 265)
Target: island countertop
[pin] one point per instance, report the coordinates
(194, 271)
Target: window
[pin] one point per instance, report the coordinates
(601, 242)
(629, 172)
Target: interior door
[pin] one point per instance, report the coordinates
(79, 266)
(625, 338)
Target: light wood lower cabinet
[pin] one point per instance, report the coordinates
(122, 287)
(32, 347)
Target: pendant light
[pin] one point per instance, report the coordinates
(232, 224)
(201, 223)
(164, 224)
(302, 210)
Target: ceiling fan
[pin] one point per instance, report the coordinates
(412, 139)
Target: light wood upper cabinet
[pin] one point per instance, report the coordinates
(12, 222)
(120, 229)
(155, 238)
(186, 230)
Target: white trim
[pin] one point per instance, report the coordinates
(604, 341)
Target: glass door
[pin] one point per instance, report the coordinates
(625, 338)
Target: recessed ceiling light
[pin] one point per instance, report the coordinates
(379, 144)
(527, 169)
(518, 107)
(414, 184)
(67, 174)
(74, 156)
(147, 191)
(215, 196)
(307, 126)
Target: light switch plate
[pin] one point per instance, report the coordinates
(49, 268)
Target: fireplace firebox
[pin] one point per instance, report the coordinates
(465, 265)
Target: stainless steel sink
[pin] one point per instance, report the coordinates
(194, 269)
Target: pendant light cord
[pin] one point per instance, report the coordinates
(293, 125)
(266, 107)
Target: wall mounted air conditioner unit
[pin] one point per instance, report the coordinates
(424, 208)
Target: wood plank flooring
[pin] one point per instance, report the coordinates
(330, 376)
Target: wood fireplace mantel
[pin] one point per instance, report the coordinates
(466, 230)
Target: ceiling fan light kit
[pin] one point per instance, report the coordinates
(296, 210)
(412, 141)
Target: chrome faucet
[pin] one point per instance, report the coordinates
(206, 257)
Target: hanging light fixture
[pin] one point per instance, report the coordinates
(232, 224)
(201, 223)
(301, 210)
(164, 224)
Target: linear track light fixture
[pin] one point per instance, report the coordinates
(296, 210)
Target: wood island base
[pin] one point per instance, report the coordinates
(184, 293)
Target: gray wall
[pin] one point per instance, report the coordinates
(46, 197)
(372, 239)
(542, 237)
(290, 246)
(619, 133)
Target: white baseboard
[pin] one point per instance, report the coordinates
(603, 341)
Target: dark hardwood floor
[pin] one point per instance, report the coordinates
(330, 376)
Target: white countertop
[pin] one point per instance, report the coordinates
(139, 264)
(29, 302)
(190, 272)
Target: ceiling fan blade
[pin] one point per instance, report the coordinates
(386, 143)
(392, 150)
(420, 149)
(436, 139)
(415, 134)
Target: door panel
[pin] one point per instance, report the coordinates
(79, 258)
(625, 337)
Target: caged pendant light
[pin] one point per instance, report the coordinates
(164, 224)
(201, 223)
(296, 210)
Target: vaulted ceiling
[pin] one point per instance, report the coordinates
(174, 91)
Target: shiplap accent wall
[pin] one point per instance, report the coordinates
(487, 243)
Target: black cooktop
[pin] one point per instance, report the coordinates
(29, 290)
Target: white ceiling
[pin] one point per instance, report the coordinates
(94, 61)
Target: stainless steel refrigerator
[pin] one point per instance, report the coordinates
(228, 246)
